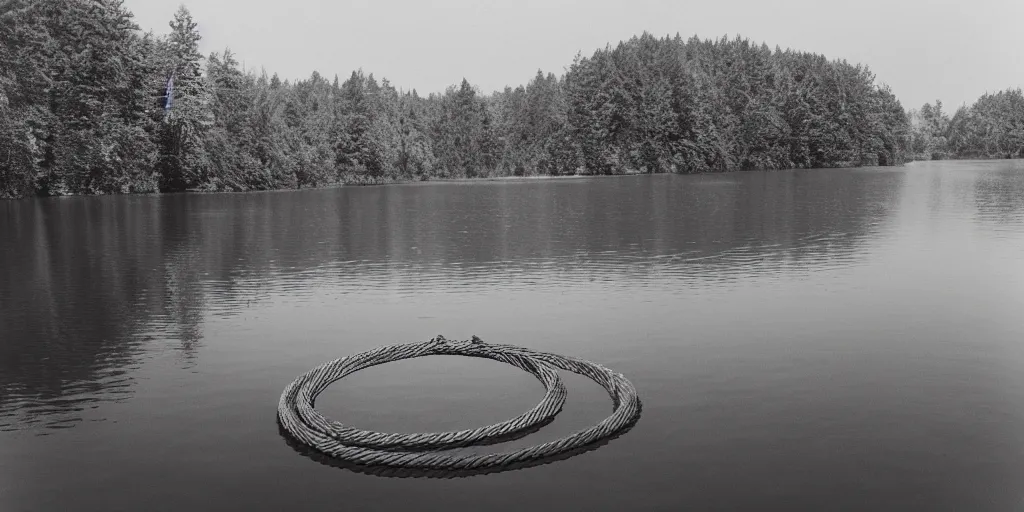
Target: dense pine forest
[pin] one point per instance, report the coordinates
(90, 105)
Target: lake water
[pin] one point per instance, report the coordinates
(801, 340)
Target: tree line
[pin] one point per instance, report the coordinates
(993, 127)
(84, 110)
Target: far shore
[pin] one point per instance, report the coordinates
(501, 179)
(413, 181)
(515, 178)
(540, 177)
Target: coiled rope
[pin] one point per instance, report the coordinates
(300, 420)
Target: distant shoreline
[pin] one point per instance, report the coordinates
(540, 177)
(414, 181)
(495, 179)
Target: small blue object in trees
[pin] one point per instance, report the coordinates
(170, 94)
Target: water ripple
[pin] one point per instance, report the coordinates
(93, 289)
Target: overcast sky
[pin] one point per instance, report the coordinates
(925, 49)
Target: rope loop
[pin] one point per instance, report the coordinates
(420, 451)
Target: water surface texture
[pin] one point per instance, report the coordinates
(801, 340)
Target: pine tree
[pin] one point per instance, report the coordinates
(72, 69)
(24, 81)
(184, 162)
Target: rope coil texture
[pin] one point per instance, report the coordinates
(299, 419)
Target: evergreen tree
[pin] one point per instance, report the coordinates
(184, 162)
(24, 81)
(461, 134)
(70, 73)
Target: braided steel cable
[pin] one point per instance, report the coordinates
(323, 376)
(300, 420)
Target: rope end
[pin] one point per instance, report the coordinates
(476, 340)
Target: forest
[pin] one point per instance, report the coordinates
(993, 127)
(89, 104)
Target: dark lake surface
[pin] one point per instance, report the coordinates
(801, 340)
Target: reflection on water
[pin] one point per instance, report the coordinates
(91, 285)
(998, 194)
(782, 328)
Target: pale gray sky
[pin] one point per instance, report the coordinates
(925, 49)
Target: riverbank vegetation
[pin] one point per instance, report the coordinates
(993, 127)
(83, 110)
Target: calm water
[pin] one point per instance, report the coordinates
(802, 340)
